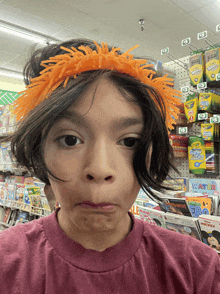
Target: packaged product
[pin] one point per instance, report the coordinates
(212, 63)
(196, 68)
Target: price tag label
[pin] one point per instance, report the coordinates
(202, 116)
(183, 130)
(218, 77)
(165, 51)
(202, 86)
(218, 28)
(185, 42)
(214, 120)
(202, 35)
(185, 89)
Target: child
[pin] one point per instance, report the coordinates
(93, 124)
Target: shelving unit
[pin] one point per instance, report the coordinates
(183, 80)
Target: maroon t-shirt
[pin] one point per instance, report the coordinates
(39, 257)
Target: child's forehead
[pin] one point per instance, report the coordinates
(115, 123)
(103, 100)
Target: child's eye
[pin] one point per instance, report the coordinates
(130, 142)
(69, 140)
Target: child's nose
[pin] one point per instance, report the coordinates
(100, 164)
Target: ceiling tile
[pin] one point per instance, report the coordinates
(194, 5)
(5, 56)
(209, 16)
(27, 20)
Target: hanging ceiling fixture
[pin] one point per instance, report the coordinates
(141, 22)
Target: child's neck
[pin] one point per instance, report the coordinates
(96, 241)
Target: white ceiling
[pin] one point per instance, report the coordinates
(116, 22)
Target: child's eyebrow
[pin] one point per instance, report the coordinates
(120, 123)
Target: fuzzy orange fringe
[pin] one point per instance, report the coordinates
(60, 68)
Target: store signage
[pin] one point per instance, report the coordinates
(202, 116)
(202, 86)
(186, 41)
(165, 51)
(202, 35)
(214, 120)
(183, 130)
(185, 89)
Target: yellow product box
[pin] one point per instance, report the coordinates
(196, 155)
(207, 131)
(196, 68)
(209, 102)
(191, 109)
(212, 64)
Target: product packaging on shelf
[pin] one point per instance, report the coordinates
(210, 132)
(209, 101)
(212, 63)
(191, 108)
(203, 156)
(179, 145)
(196, 68)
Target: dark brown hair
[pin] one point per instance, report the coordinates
(28, 140)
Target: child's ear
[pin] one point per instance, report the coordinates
(148, 157)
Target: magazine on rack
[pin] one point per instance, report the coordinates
(210, 227)
(183, 224)
(199, 205)
(152, 216)
(175, 205)
(7, 215)
(209, 188)
(3, 193)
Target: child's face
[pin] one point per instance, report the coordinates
(94, 159)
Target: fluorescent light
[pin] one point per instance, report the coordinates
(26, 33)
(10, 73)
(22, 34)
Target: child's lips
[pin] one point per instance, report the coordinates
(98, 206)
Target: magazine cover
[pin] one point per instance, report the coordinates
(181, 184)
(22, 217)
(147, 201)
(152, 216)
(210, 228)
(19, 194)
(134, 209)
(46, 206)
(26, 204)
(14, 179)
(175, 205)
(199, 205)
(7, 215)
(204, 186)
(10, 198)
(183, 224)
(36, 205)
(3, 193)
(6, 158)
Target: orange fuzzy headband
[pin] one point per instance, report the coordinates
(60, 68)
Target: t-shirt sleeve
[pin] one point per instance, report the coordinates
(21, 259)
(11, 252)
(216, 279)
